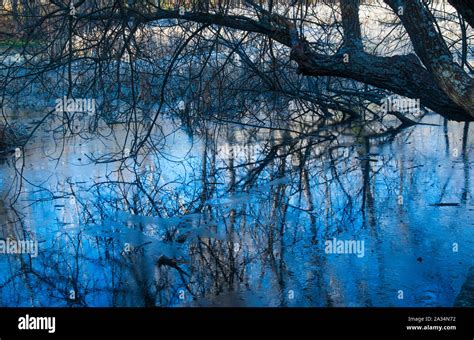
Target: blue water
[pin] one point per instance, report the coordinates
(242, 234)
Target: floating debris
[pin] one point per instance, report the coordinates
(443, 204)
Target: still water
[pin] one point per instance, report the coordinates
(239, 216)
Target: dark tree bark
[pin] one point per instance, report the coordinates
(351, 23)
(465, 8)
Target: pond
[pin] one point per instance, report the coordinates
(239, 215)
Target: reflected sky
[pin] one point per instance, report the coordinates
(240, 217)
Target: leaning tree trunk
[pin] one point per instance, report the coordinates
(465, 8)
(431, 48)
